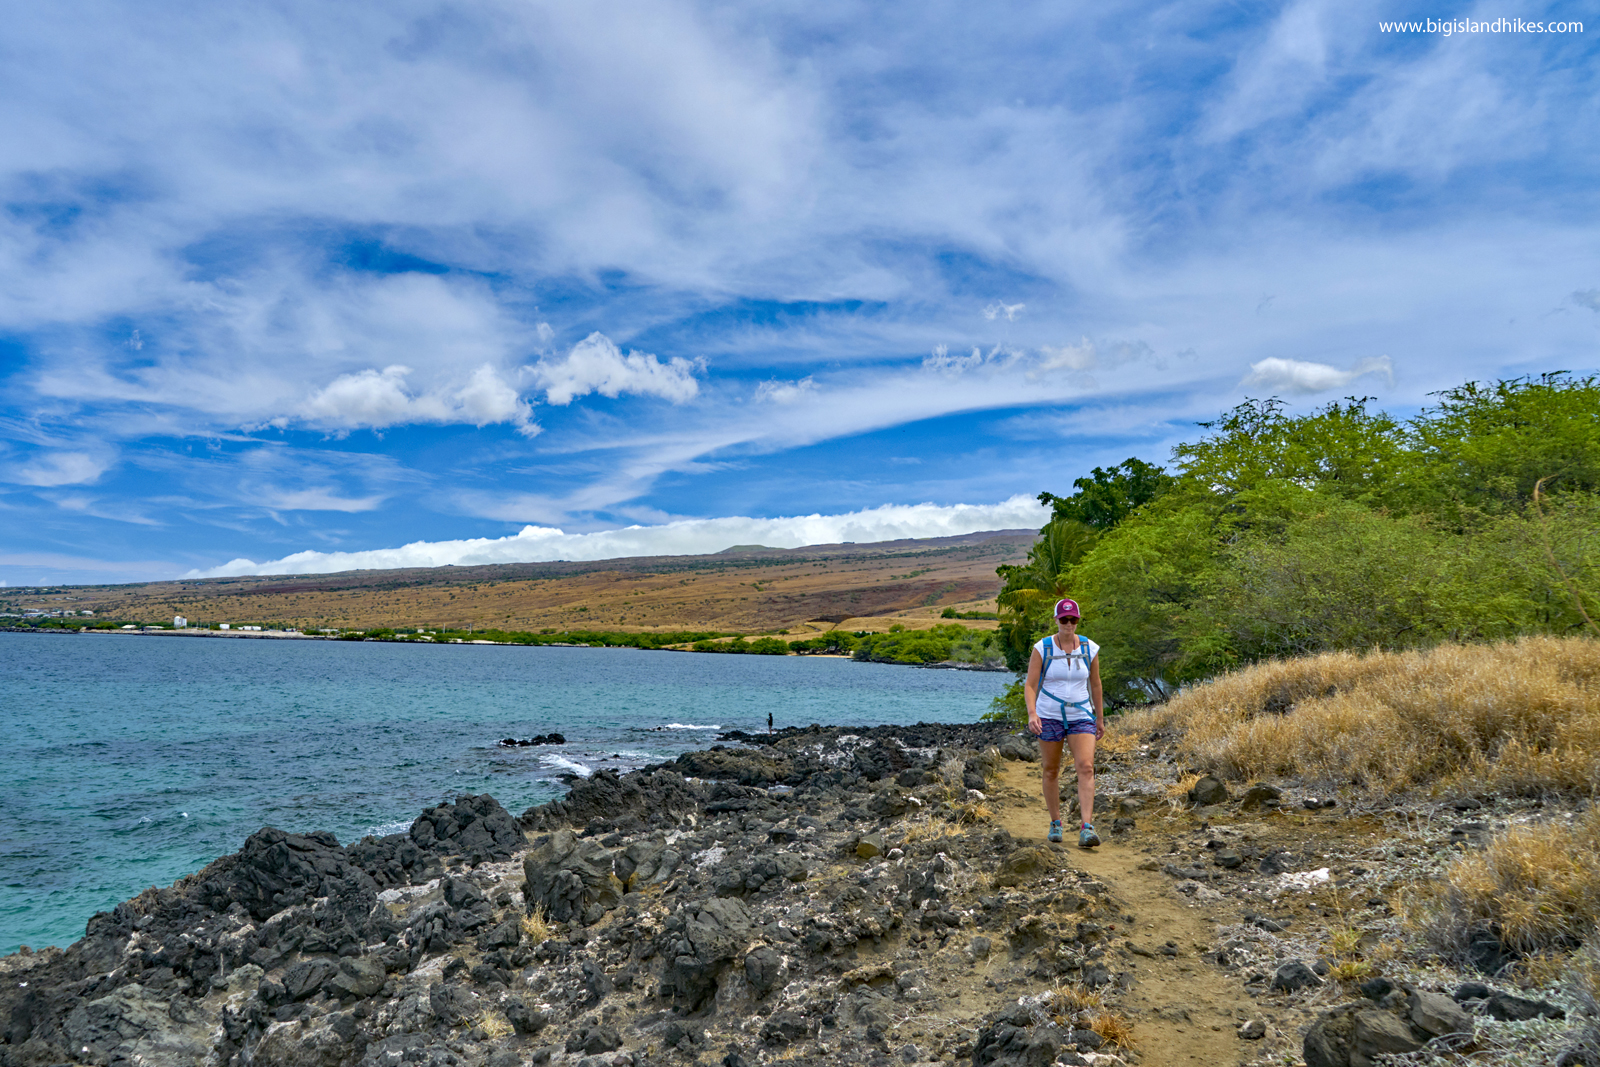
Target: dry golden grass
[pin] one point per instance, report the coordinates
(969, 814)
(1068, 1000)
(1344, 941)
(1539, 886)
(1350, 971)
(536, 926)
(1521, 717)
(927, 828)
(1115, 1030)
(493, 1024)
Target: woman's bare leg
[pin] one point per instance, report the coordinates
(1082, 746)
(1050, 763)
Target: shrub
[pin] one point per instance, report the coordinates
(1537, 887)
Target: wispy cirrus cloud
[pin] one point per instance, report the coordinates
(688, 246)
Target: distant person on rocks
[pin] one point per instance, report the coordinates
(1065, 704)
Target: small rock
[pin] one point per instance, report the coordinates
(1472, 991)
(1382, 1031)
(1227, 859)
(1375, 988)
(1260, 795)
(1253, 1030)
(1438, 1014)
(523, 1017)
(1208, 790)
(762, 969)
(1087, 1039)
(1293, 976)
(871, 845)
(1509, 1008)
(1466, 804)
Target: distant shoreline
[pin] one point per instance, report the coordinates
(285, 635)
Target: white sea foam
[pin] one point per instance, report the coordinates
(690, 726)
(550, 759)
(388, 828)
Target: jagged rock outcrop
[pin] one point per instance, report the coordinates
(571, 878)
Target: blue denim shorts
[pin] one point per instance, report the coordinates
(1056, 730)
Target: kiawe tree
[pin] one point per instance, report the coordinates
(1341, 528)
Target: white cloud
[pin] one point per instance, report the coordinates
(596, 365)
(375, 399)
(999, 308)
(1302, 376)
(785, 392)
(1080, 356)
(317, 499)
(57, 468)
(535, 544)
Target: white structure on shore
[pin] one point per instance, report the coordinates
(180, 623)
(225, 626)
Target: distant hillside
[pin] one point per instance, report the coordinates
(746, 588)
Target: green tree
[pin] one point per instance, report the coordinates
(1108, 496)
(1484, 446)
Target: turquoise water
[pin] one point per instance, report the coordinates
(130, 761)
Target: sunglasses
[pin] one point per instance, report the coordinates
(1066, 618)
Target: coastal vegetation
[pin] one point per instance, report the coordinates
(946, 643)
(1277, 535)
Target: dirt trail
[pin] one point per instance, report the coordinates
(1184, 1008)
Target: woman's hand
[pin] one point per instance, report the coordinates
(1099, 728)
(1034, 726)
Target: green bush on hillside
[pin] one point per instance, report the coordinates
(1284, 535)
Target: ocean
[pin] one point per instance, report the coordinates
(130, 761)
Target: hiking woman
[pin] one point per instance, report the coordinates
(1065, 705)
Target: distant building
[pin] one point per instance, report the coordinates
(180, 623)
(225, 626)
(85, 611)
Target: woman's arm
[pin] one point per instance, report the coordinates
(1030, 691)
(1097, 697)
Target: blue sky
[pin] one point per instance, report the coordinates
(312, 281)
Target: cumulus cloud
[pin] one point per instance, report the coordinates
(375, 399)
(596, 365)
(537, 544)
(1303, 376)
(57, 468)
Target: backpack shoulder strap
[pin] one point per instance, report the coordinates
(1083, 650)
(1049, 653)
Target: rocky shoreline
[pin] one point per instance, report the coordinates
(818, 895)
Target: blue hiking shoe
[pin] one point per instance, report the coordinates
(1055, 830)
(1087, 838)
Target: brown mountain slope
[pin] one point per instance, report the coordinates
(746, 589)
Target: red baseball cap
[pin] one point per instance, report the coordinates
(1067, 609)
